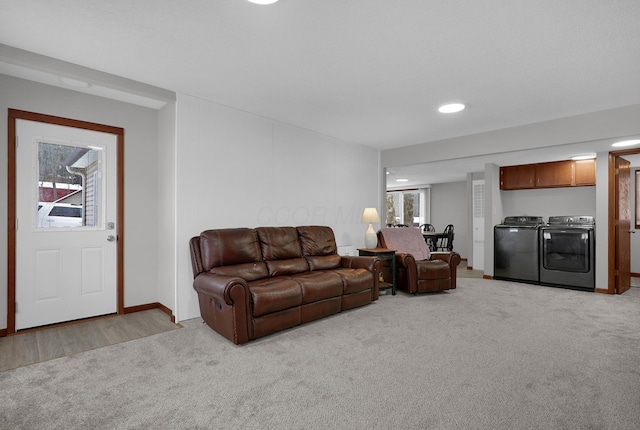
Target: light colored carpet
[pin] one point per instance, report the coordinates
(489, 355)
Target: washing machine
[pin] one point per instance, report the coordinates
(516, 249)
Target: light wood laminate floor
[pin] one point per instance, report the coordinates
(464, 272)
(49, 343)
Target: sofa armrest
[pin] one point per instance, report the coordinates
(196, 257)
(225, 305)
(372, 264)
(352, 262)
(219, 287)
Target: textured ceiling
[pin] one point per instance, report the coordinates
(366, 71)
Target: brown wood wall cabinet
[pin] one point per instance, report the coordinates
(554, 174)
(585, 172)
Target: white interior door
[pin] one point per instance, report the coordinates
(66, 251)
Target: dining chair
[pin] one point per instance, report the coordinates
(446, 242)
(431, 243)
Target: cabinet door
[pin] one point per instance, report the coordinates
(585, 172)
(517, 177)
(554, 174)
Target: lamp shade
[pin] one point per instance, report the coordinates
(370, 215)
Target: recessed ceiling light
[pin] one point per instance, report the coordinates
(402, 180)
(584, 157)
(263, 1)
(451, 108)
(626, 143)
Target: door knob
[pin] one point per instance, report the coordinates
(111, 238)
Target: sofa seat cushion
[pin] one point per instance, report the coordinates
(274, 294)
(433, 269)
(355, 280)
(319, 285)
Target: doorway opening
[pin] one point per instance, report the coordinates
(619, 231)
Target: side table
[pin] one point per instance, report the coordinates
(385, 255)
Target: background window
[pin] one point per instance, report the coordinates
(403, 207)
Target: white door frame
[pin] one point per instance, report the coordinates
(11, 202)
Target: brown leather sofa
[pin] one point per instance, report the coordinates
(254, 282)
(417, 269)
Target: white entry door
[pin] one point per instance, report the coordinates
(66, 251)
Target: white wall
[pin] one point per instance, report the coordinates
(140, 124)
(494, 212)
(602, 220)
(166, 206)
(550, 202)
(449, 205)
(235, 169)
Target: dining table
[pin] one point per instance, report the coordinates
(432, 237)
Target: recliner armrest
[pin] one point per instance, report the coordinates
(451, 257)
(404, 259)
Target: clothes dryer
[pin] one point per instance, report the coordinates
(567, 252)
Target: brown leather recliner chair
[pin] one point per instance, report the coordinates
(418, 269)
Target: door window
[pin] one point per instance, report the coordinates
(68, 185)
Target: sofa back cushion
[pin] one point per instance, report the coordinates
(319, 247)
(281, 250)
(247, 271)
(234, 252)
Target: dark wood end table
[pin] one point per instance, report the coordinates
(385, 255)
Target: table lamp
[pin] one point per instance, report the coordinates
(370, 215)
